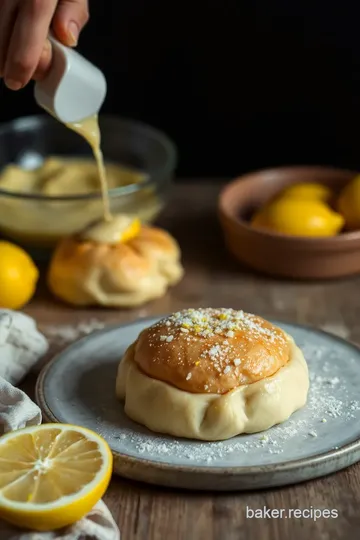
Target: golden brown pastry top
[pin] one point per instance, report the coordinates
(126, 273)
(130, 259)
(211, 350)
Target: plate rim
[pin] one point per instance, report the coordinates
(333, 455)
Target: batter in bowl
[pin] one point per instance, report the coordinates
(44, 222)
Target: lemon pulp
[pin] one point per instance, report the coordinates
(51, 475)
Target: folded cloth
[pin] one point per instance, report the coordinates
(97, 525)
(22, 349)
(16, 409)
(21, 345)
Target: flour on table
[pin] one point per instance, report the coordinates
(337, 329)
(64, 333)
(329, 401)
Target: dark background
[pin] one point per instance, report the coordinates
(237, 84)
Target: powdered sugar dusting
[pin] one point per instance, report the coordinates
(216, 333)
(209, 322)
(330, 403)
(331, 418)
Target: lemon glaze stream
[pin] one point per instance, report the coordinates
(89, 129)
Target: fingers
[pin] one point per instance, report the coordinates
(69, 19)
(24, 26)
(27, 41)
(44, 62)
(7, 18)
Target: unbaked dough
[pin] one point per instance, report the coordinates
(248, 408)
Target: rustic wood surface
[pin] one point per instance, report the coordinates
(214, 279)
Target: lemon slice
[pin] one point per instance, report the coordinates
(52, 475)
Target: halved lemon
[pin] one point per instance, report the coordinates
(52, 475)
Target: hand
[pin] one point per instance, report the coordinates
(25, 52)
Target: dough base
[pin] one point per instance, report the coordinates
(213, 417)
(127, 274)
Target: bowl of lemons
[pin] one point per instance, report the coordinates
(294, 222)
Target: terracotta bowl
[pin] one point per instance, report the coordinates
(282, 255)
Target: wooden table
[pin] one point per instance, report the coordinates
(214, 279)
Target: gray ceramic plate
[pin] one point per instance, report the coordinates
(78, 386)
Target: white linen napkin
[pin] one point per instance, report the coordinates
(21, 345)
(97, 525)
(17, 411)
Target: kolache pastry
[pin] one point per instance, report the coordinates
(211, 374)
(116, 263)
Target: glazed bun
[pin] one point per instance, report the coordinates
(211, 374)
(211, 350)
(86, 271)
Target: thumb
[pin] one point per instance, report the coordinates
(69, 19)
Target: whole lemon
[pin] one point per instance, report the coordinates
(349, 204)
(309, 191)
(299, 218)
(18, 276)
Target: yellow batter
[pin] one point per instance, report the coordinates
(65, 177)
(44, 222)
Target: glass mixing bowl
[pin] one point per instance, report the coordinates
(38, 221)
